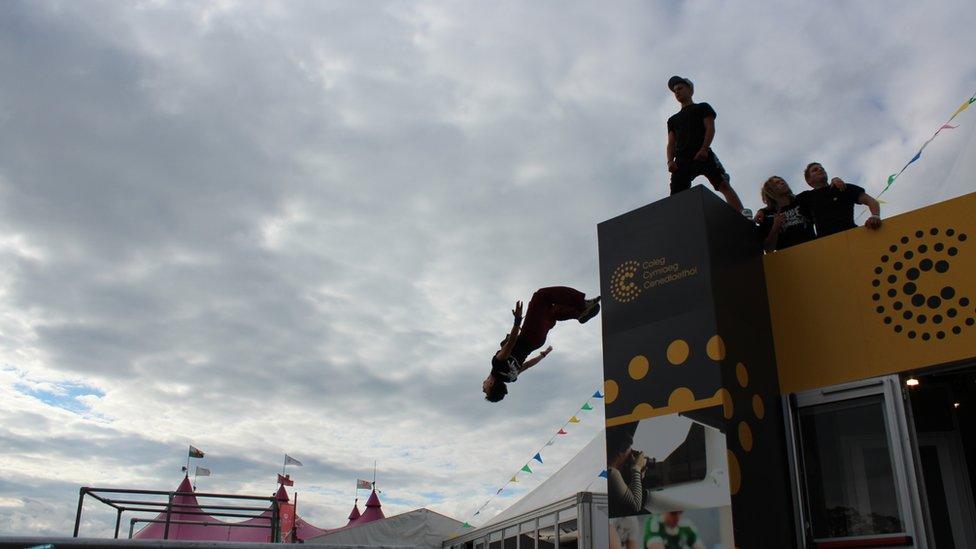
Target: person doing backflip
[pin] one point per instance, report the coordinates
(690, 134)
(547, 306)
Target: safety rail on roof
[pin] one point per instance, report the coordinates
(170, 507)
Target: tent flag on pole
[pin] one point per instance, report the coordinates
(195, 452)
(202, 472)
(292, 461)
(537, 457)
(363, 484)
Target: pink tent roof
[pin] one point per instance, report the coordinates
(374, 510)
(303, 530)
(354, 514)
(219, 530)
(306, 531)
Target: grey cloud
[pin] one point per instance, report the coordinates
(303, 225)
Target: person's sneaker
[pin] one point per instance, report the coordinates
(747, 213)
(590, 309)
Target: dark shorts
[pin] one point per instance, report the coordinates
(688, 170)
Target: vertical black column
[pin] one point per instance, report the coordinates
(686, 328)
(81, 502)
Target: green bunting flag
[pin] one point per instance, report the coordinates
(525, 468)
(945, 126)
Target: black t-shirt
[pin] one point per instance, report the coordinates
(831, 208)
(688, 127)
(797, 226)
(505, 370)
(508, 370)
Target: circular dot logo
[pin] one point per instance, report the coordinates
(623, 282)
(912, 289)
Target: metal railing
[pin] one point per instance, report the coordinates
(103, 495)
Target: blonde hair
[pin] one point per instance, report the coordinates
(767, 194)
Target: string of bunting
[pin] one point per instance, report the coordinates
(538, 455)
(945, 126)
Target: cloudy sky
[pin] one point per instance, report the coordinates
(271, 227)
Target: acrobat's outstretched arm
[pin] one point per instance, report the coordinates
(535, 360)
(513, 335)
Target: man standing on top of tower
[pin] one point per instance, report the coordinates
(690, 134)
(832, 206)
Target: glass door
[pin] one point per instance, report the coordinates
(851, 458)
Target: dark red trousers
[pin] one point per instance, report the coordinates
(547, 306)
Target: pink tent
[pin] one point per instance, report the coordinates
(303, 530)
(374, 510)
(354, 514)
(215, 530)
(218, 530)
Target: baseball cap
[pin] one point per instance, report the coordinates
(675, 80)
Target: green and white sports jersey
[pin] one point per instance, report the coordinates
(683, 536)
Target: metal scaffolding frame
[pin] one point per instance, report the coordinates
(105, 495)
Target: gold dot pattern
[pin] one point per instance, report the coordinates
(643, 410)
(742, 375)
(739, 417)
(681, 398)
(745, 436)
(638, 367)
(735, 474)
(622, 285)
(757, 407)
(715, 348)
(728, 408)
(678, 352)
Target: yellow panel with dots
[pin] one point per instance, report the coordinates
(681, 399)
(678, 352)
(865, 303)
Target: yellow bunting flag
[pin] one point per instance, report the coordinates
(513, 479)
(574, 419)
